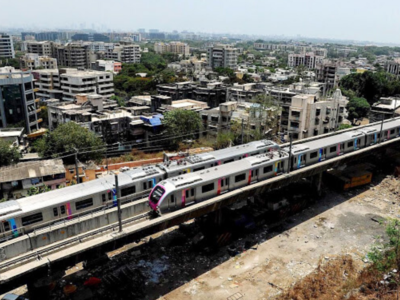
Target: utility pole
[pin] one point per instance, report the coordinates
(107, 162)
(380, 135)
(76, 166)
(290, 152)
(118, 203)
(242, 131)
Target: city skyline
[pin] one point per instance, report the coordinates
(341, 21)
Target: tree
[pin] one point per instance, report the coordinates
(34, 190)
(344, 126)
(68, 137)
(182, 124)
(8, 154)
(358, 108)
(120, 100)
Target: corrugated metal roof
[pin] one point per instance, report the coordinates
(33, 169)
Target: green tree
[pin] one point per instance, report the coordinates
(120, 100)
(183, 124)
(358, 108)
(68, 137)
(344, 126)
(34, 190)
(8, 154)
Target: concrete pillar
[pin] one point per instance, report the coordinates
(317, 183)
(218, 217)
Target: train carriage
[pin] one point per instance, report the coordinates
(183, 190)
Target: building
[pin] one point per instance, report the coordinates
(244, 92)
(309, 60)
(65, 84)
(6, 46)
(74, 56)
(308, 117)
(393, 67)
(172, 47)
(185, 104)
(222, 56)
(32, 61)
(386, 108)
(18, 104)
(47, 83)
(14, 136)
(16, 180)
(87, 172)
(327, 73)
(124, 53)
(44, 48)
(107, 65)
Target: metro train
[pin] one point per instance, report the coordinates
(25, 214)
(181, 191)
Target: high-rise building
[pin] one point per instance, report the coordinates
(172, 47)
(44, 48)
(74, 56)
(6, 46)
(124, 53)
(222, 56)
(18, 104)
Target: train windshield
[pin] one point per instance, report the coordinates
(156, 194)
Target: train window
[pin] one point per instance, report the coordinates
(228, 161)
(207, 188)
(187, 193)
(240, 177)
(192, 192)
(222, 183)
(62, 209)
(103, 197)
(172, 198)
(55, 211)
(227, 181)
(144, 186)
(332, 149)
(109, 195)
(38, 217)
(350, 144)
(314, 154)
(267, 169)
(6, 226)
(198, 169)
(128, 191)
(83, 203)
(392, 131)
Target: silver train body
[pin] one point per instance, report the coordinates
(24, 215)
(181, 191)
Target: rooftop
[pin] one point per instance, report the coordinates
(34, 169)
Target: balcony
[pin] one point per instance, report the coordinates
(37, 100)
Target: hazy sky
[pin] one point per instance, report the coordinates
(341, 19)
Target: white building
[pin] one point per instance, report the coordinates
(308, 117)
(6, 46)
(68, 83)
(222, 56)
(172, 47)
(309, 60)
(33, 61)
(124, 53)
(44, 48)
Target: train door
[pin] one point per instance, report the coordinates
(301, 160)
(56, 213)
(172, 201)
(254, 175)
(340, 149)
(4, 230)
(188, 197)
(278, 168)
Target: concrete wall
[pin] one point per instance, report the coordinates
(57, 233)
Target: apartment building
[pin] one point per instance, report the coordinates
(124, 53)
(244, 92)
(44, 48)
(172, 47)
(107, 65)
(308, 117)
(222, 56)
(6, 46)
(47, 83)
(74, 56)
(386, 108)
(393, 67)
(67, 83)
(309, 60)
(18, 103)
(327, 73)
(32, 61)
